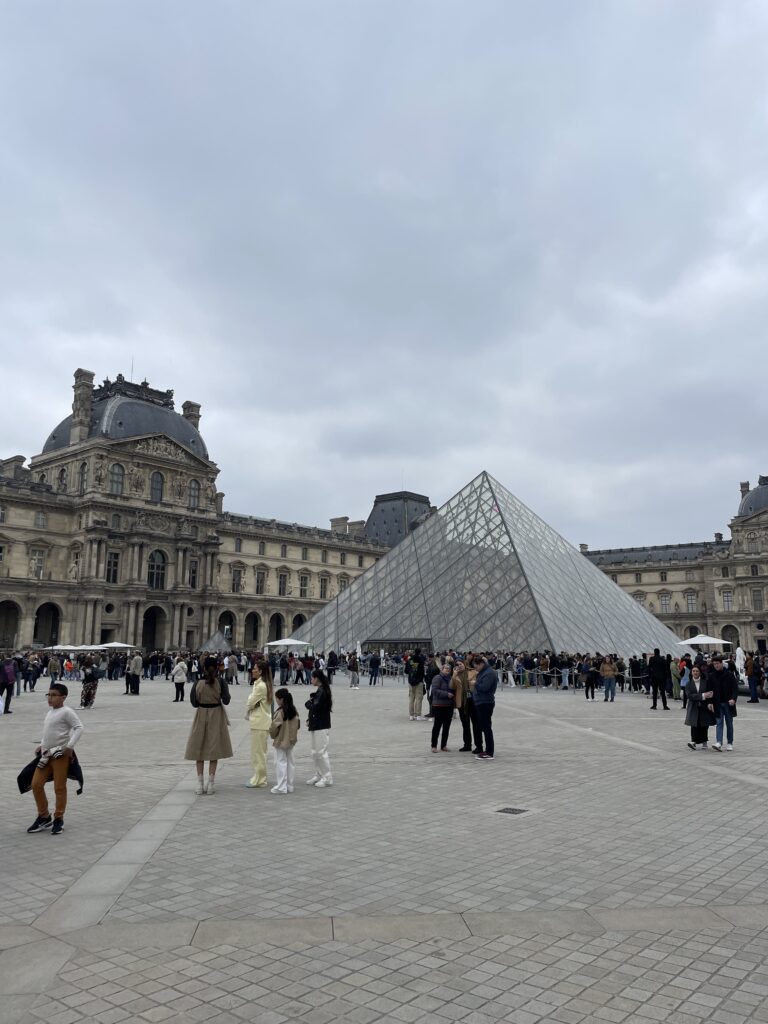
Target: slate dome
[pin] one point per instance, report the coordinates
(755, 500)
(122, 410)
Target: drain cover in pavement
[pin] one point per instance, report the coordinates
(511, 810)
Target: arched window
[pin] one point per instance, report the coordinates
(262, 548)
(116, 478)
(194, 494)
(156, 484)
(283, 550)
(238, 545)
(754, 570)
(115, 522)
(156, 571)
(61, 482)
(82, 480)
(41, 478)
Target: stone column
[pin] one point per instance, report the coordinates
(88, 622)
(96, 629)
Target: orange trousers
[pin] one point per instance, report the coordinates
(56, 769)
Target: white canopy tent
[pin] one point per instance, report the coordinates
(288, 642)
(702, 640)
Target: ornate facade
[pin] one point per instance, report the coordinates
(117, 531)
(718, 587)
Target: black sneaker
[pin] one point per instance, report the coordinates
(58, 826)
(40, 823)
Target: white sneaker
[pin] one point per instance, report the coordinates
(290, 789)
(199, 788)
(323, 783)
(313, 781)
(412, 718)
(717, 746)
(276, 789)
(729, 746)
(210, 788)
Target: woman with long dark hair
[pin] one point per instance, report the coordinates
(209, 736)
(284, 731)
(320, 705)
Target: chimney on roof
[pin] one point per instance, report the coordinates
(744, 487)
(13, 467)
(191, 413)
(340, 524)
(583, 548)
(81, 406)
(719, 538)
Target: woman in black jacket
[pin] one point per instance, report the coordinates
(319, 706)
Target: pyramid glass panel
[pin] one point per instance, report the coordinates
(485, 573)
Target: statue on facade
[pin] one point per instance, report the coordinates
(98, 472)
(73, 572)
(136, 480)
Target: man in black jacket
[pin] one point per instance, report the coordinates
(657, 671)
(725, 690)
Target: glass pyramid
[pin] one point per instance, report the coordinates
(484, 573)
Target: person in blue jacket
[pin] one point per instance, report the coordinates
(484, 696)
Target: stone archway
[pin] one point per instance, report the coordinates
(731, 635)
(276, 627)
(153, 628)
(47, 622)
(298, 622)
(227, 624)
(10, 621)
(252, 629)
(691, 631)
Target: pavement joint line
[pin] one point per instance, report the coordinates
(721, 770)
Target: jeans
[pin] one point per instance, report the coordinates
(753, 689)
(415, 699)
(442, 721)
(609, 687)
(484, 715)
(373, 677)
(724, 716)
(564, 672)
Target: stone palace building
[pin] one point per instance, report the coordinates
(717, 587)
(117, 531)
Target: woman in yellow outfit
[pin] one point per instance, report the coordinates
(259, 715)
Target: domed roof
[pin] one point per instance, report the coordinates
(756, 500)
(121, 416)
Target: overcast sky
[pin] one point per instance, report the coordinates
(399, 242)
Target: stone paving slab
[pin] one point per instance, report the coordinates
(400, 894)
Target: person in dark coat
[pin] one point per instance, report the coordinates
(724, 685)
(658, 670)
(699, 715)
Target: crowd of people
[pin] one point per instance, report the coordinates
(454, 684)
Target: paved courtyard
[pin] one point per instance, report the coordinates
(631, 889)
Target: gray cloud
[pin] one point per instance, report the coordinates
(403, 243)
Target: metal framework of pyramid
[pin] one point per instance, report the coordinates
(486, 574)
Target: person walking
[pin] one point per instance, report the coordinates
(415, 686)
(61, 731)
(259, 715)
(699, 715)
(7, 681)
(354, 672)
(725, 691)
(284, 731)
(374, 664)
(754, 674)
(443, 704)
(608, 673)
(90, 684)
(658, 671)
(586, 673)
(133, 677)
(179, 677)
(320, 706)
(209, 736)
(485, 701)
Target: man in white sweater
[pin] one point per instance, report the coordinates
(61, 731)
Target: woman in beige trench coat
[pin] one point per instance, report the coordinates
(209, 737)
